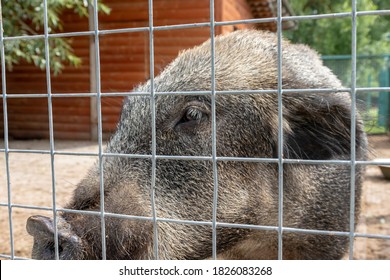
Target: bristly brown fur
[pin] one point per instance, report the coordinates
(315, 126)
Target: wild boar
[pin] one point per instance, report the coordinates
(316, 126)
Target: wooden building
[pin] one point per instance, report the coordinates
(124, 62)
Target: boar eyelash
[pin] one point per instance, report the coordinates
(194, 114)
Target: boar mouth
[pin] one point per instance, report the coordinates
(42, 229)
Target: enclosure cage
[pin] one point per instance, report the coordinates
(12, 151)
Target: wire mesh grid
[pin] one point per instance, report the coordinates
(153, 157)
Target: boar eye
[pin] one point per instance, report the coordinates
(191, 117)
(193, 114)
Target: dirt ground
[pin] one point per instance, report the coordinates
(31, 184)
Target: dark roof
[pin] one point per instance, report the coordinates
(267, 9)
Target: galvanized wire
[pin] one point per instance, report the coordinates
(353, 131)
(153, 121)
(213, 131)
(203, 223)
(51, 130)
(214, 159)
(99, 126)
(280, 130)
(6, 140)
(200, 24)
(205, 158)
(203, 92)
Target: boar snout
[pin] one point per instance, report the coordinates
(42, 229)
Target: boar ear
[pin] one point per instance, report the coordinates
(319, 126)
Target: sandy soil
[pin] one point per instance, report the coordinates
(31, 184)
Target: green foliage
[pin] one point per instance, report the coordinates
(332, 36)
(25, 17)
(371, 123)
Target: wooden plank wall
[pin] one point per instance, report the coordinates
(28, 117)
(124, 62)
(235, 10)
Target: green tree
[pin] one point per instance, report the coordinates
(332, 36)
(25, 17)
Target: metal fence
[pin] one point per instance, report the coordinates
(212, 24)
